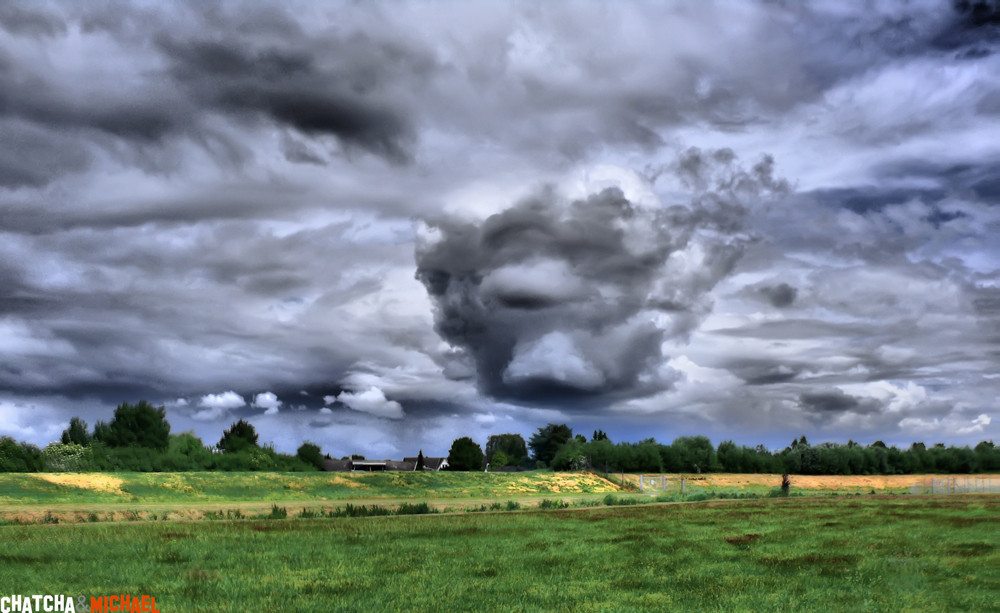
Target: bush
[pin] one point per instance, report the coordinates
(613, 501)
(499, 459)
(58, 457)
(360, 511)
(417, 508)
(553, 504)
(278, 512)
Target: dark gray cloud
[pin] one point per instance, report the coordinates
(29, 20)
(554, 299)
(289, 87)
(781, 295)
(831, 401)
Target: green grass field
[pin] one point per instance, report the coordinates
(854, 553)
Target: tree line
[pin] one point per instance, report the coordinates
(555, 446)
(138, 438)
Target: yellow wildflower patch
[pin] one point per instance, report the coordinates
(87, 481)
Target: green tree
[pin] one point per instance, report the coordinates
(18, 457)
(571, 456)
(511, 444)
(599, 435)
(311, 454)
(138, 425)
(499, 459)
(465, 454)
(78, 432)
(730, 457)
(420, 460)
(695, 454)
(241, 435)
(546, 441)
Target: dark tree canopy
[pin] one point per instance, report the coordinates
(547, 441)
(18, 457)
(238, 437)
(77, 433)
(465, 454)
(420, 460)
(599, 435)
(311, 454)
(511, 444)
(135, 425)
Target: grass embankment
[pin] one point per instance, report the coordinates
(841, 554)
(75, 496)
(807, 484)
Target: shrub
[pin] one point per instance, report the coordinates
(58, 457)
(278, 512)
(417, 508)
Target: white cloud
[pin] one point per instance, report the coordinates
(30, 422)
(267, 400)
(373, 402)
(217, 406)
(556, 357)
(950, 425)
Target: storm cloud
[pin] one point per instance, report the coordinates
(553, 297)
(381, 226)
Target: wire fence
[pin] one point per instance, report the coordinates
(960, 485)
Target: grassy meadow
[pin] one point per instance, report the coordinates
(850, 553)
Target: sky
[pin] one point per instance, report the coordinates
(381, 226)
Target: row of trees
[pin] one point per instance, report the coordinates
(697, 454)
(138, 438)
(555, 446)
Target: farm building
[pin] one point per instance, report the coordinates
(406, 464)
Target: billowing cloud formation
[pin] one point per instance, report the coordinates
(373, 402)
(216, 406)
(553, 297)
(268, 401)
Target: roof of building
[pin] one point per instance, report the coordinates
(335, 465)
(429, 463)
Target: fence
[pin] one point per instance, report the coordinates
(656, 483)
(963, 485)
